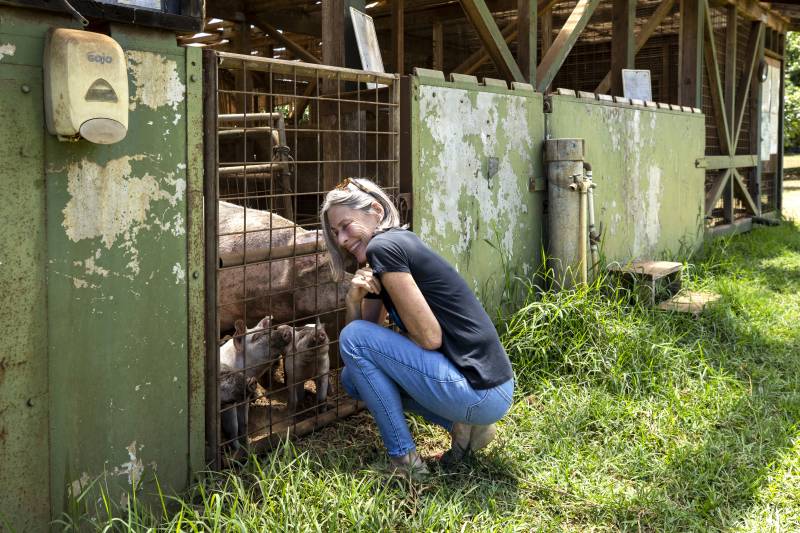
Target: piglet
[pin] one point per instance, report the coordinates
(258, 348)
(306, 358)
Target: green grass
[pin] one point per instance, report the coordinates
(624, 419)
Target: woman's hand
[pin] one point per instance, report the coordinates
(363, 282)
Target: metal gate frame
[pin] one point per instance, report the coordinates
(212, 63)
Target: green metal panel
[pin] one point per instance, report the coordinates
(117, 289)
(649, 195)
(475, 150)
(24, 453)
(104, 371)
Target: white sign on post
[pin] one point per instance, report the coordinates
(636, 85)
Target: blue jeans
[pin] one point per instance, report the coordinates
(391, 373)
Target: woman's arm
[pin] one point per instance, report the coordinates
(417, 317)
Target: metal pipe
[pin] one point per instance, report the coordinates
(566, 216)
(594, 235)
(583, 231)
(235, 117)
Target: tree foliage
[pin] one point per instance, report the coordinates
(791, 139)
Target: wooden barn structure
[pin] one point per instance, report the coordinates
(703, 54)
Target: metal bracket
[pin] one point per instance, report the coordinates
(537, 184)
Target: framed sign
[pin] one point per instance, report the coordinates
(636, 85)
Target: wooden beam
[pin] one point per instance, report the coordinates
(740, 226)
(752, 57)
(731, 27)
(398, 36)
(555, 56)
(437, 39)
(713, 195)
(623, 19)
(753, 10)
(473, 62)
(715, 82)
(299, 52)
(718, 162)
(526, 42)
(754, 103)
(547, 30)
(690, 53)
(483, 22)
(663, 9)
(741, 188)
(509, 32)
(666, 76)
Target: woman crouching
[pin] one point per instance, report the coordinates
(447, 365)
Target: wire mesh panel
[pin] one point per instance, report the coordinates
(284, 133)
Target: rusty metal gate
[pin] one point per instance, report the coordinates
(277, 136)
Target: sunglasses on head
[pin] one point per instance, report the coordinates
(348, 181)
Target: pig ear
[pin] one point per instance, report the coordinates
(237, 335)
(265, 322)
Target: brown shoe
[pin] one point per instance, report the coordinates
(409, 466)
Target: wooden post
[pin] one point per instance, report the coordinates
(779, 166)
(339, 49)
(398, 34)
(526, 39)
(241, 44)
(666, 80)
(690, 54)
(547, 35)
(437, 31)
(730, 96)
(623, 19)
(731, 26)
(664, 8)
(756, 95)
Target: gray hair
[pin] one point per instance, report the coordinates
(359, 193)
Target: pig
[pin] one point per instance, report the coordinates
(287, 289)
(234, 388)
(259, 348)
(307, 358)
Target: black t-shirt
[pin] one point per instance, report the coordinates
(469, 338)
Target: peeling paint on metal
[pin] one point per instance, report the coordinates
(464, 128)
(652, 228)
(7, 49)
(77, 487)
(179, 273)
(156, 80)
(649, 195)
(108, 203)
(133, 468)
(475, 153)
